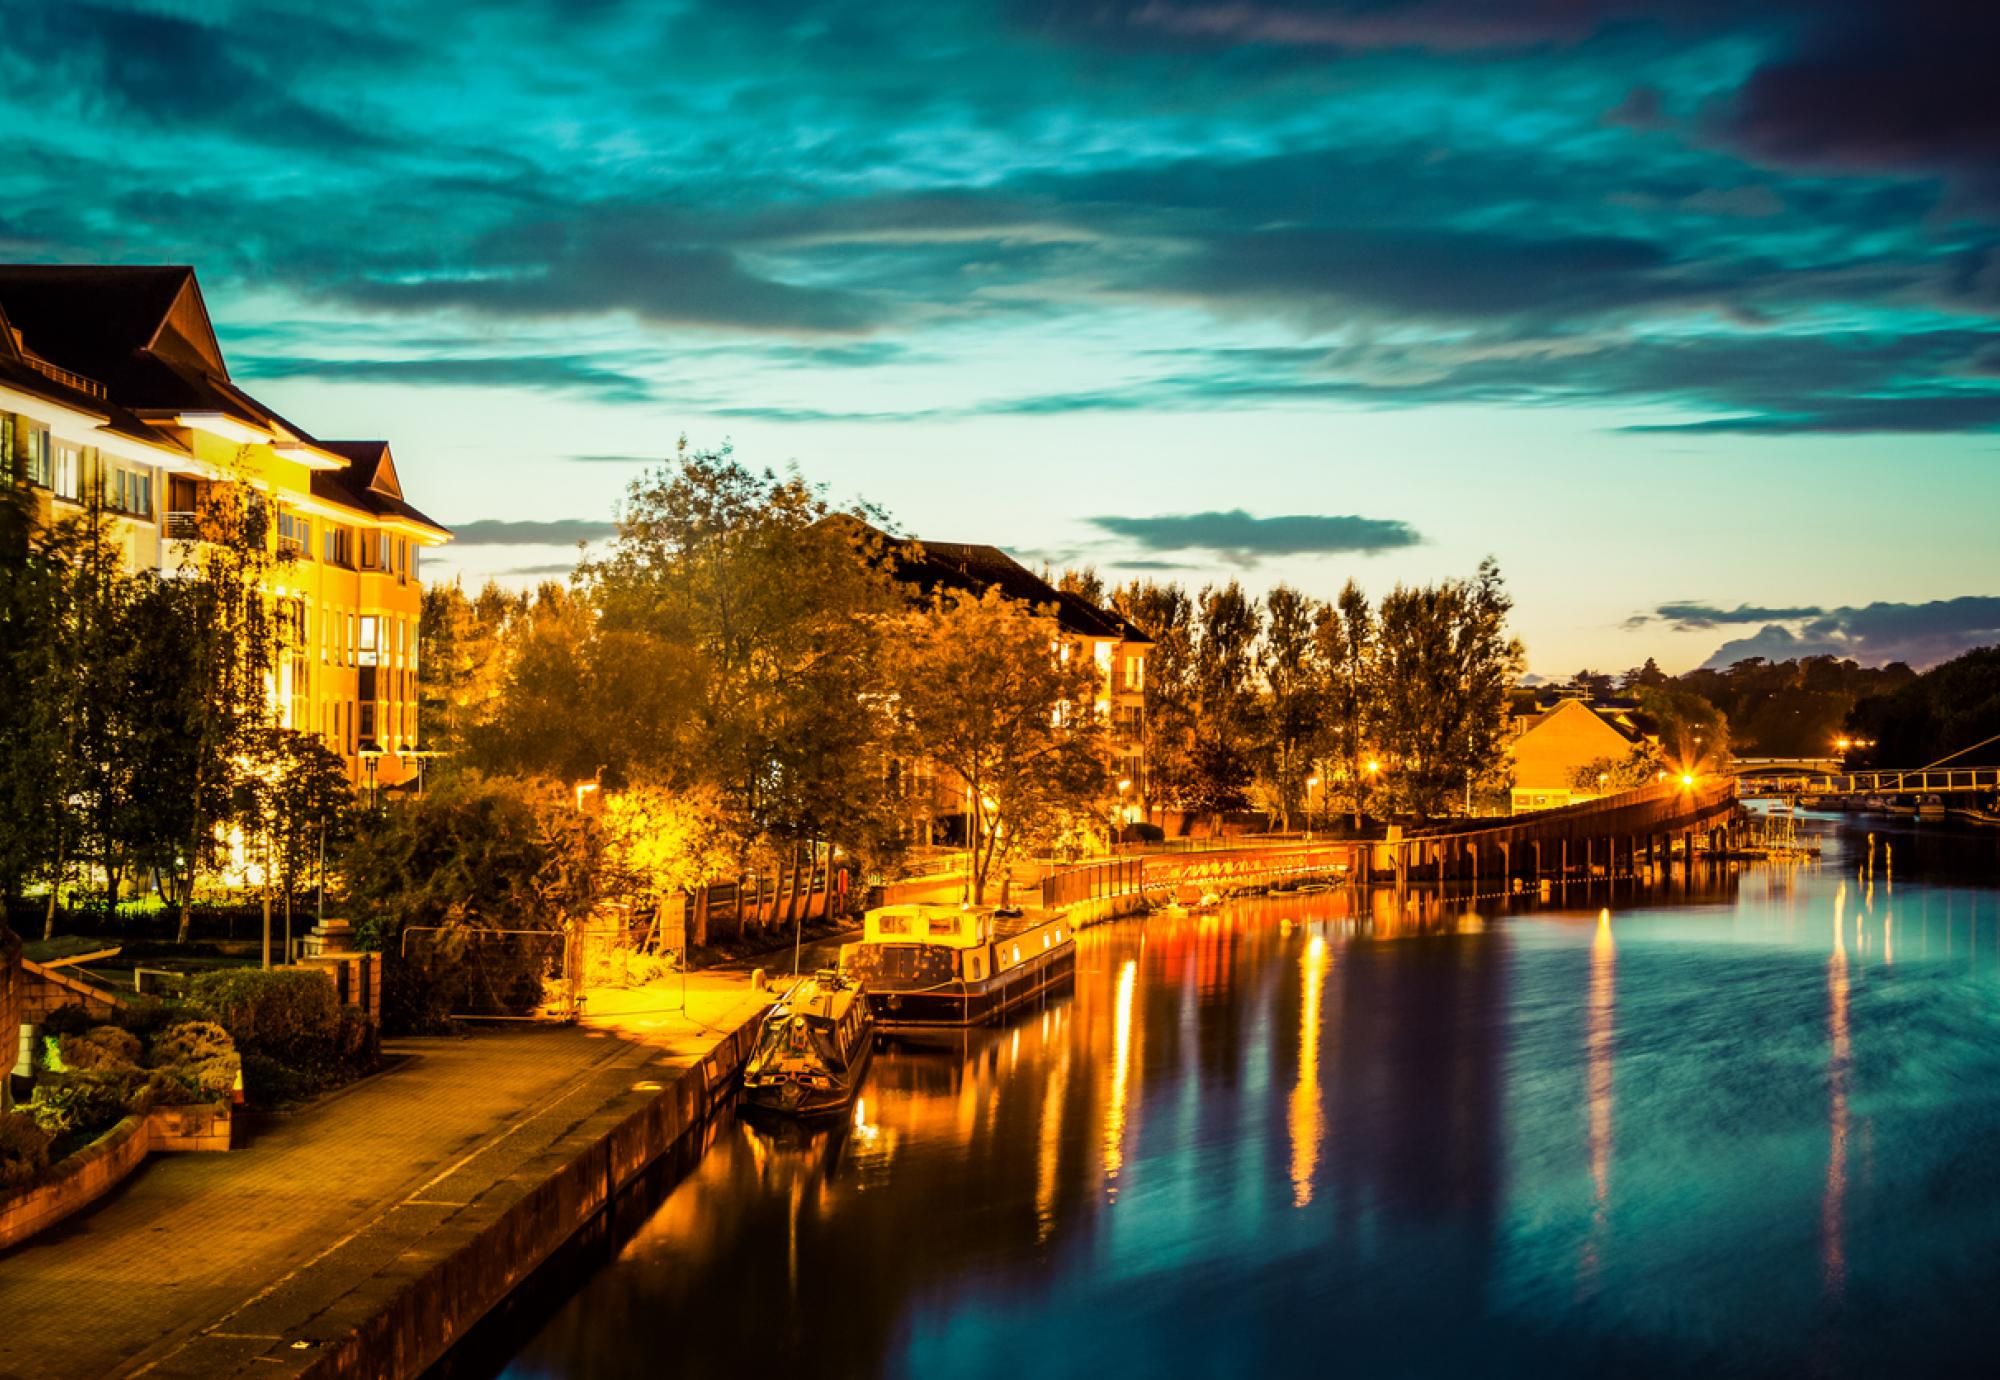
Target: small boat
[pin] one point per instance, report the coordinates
(1931, 807)
(944, 965)
(813, 1048)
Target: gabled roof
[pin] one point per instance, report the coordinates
(935, 565)
(139, 333)
(368, 484)
(1573, 707)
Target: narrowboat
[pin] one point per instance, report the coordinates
(813, 1048)
(1931, 807)
(931, 966)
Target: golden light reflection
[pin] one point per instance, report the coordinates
(1597, 1044)
(1048, 1156)
(1121, 1069)
(1833, 1254)
(1305, 1115)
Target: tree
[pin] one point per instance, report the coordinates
(1609, 775)
(298, 801)
(1445, 663)
(1225, 719)
(1345, 633)
(1693, 734)
(773, 606)
(1295, 682)
(1167, 718)
(988, 689)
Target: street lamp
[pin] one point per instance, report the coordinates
(1311, 781)
(1118, 818)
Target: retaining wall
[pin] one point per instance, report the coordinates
(442, 1300)
(101, 1166)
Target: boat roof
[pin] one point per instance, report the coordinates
(958, 927)
(821, 996)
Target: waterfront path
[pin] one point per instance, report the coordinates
(205, 1265)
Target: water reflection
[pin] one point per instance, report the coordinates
(1354, 1124)
(1304, 1113)
(1597, 1046)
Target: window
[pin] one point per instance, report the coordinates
(295, 534)
(39, 457)
(339, 545)
(68, 480)
(368, 721)
(369, 624)
(129, 491)
(1135, 672)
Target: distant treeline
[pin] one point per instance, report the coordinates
(1936, 715)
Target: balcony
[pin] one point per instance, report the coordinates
(183, 526)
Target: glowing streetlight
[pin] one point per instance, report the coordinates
(1687, 779)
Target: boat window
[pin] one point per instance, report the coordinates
(892, 924)
(941, 924)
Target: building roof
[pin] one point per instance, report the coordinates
(133, 344)
(935, 565)
(368, 484)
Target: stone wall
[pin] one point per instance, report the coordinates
(42, 990)
(10, 1005)
(440, 1299)
(98, 1168)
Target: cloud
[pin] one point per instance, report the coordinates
(542, 532)
(615, 459)
(164, 70)
(1239, 536)
(542, 373)
(1921, 634)
(647, 261)
(551, 568)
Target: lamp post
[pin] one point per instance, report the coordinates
(1311, 781)
(1118, 818)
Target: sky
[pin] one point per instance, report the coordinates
(1689, 313)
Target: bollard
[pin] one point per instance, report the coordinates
(758, 981)
(23, 1076)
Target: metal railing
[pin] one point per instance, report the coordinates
(1936, 781)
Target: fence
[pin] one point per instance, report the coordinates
(1092, 882)
(494, 974)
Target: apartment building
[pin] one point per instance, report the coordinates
(1117, 646)
(114, 393)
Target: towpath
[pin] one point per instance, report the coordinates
(201, 1265)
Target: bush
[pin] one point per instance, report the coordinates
(278, 1011)
(24, 1151)
(74, 1107)
(68, 1019)
(104, 1047)
(292, 1034)
(192, 1062)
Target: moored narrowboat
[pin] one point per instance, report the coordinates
(944, 965)
(813, 1048)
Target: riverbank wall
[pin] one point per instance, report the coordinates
(427, 1302)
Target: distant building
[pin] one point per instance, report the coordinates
(114, 394)
(1552, 744)
(1114, 643)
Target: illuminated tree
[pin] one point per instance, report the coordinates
(988, 689)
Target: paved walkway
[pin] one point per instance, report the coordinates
(200, 1264)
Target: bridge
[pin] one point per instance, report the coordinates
(1924, 781)
(1610, 836)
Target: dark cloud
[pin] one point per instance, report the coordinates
(615, 459)
(550, 568)
(1691, 616)
(162, 69)
(1641, 109)
(1246, 539)
(1879, 86)
(600, 260)
(544, 373)
(1922, 634)
(544, 532)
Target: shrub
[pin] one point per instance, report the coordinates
(68, 1019)
(74, 1107)
(104, 1047)
(279, 1011)
(293, 1036)
(192, 1062)
(24, 1150)
(190, 1042)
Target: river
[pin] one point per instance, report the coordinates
(1746, 1127)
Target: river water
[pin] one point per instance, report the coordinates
(1747, 1127)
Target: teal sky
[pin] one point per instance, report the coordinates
(1689, 320)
